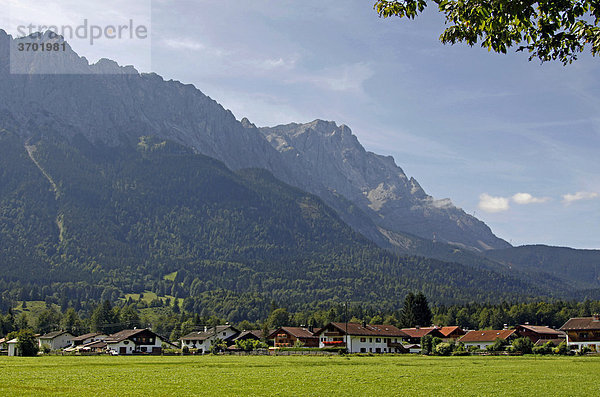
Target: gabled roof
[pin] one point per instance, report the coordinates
(421, 331)
(297, 332)
(366, 330)
(256, 333)
(489, 335)
(211, 332)
(581, 323)
(449, 330)
(555, 342)
(126, 334)
(53, 334)
(538, 329)
(86, 336)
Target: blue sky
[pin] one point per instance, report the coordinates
(470, 125)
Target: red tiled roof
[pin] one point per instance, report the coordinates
(538, 329)
(367, 330)
(489, 335)
(581, 323)
(448, 330)
(297, 332)
(420, 332)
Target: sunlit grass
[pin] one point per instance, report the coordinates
(296, 375)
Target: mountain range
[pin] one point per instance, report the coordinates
(109, 175)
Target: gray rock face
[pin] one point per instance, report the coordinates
(114, 105)
(331, 158)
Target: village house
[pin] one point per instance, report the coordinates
(98, 346)
(3, 346)
(256, 334)
(202, 341)
(294, 336)
(540, 333)
(12, 347)
(134, 341)
(483, 339)
(452, 333)
(414, 335)
(55, 340)
(583, 331)
(363, 338)
(88, 338)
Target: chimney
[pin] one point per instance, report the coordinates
(205, 328)
(505, 326)
(364, 324)
(417, 327)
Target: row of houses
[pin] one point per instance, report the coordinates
(130, 341)
(354, 337)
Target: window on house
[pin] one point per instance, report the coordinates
(377, 340)
(363, 339)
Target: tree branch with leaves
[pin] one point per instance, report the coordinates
(548, 30)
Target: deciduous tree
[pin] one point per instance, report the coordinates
(548, 30)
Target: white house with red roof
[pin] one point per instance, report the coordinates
(362, 338)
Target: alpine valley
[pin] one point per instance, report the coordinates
(114, 182)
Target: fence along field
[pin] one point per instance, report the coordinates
(299, 375)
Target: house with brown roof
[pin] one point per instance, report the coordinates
(134, 341)
(363, 338)
(256, 334)
(583, 331)
(55, 340)
(202, 341)
(415, 334)
(537, 332)
(293, 336)
(88, 338)
(483, 339)
(452, 333)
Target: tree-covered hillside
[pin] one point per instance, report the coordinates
(82, 221)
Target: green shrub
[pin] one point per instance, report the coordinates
(498, 345)
(562, 348)
(443, 349)
(522, 345)
(547, 348)
(26, 343)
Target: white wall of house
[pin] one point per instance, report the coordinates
(60, 342)
(364, 344)
(594, 345)
(12, 347)
(479, 345)
(130, 347)
(203, 346)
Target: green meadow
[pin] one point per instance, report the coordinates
(299, 376)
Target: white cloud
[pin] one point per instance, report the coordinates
(570, 198)
(345, 78)
(182, 44)
(526, 198)
(489, 203)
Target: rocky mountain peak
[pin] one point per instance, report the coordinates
(116, 105)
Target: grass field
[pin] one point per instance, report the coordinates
(299, 376)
